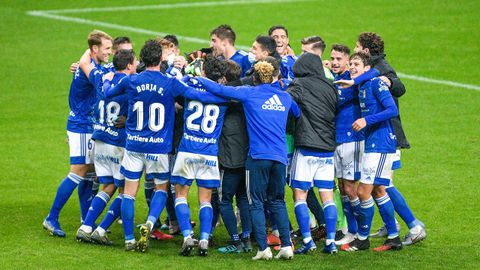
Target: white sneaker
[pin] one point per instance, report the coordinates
(382, 232)
(345, 240)
(264, 255)
(415, 235)
(285, 253)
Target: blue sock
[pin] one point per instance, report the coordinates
(355, 206)
(64, 192)
(348, 211)
(96, 208)
(365, 216)
(385, 207)
(401, 207)
(149, 186)
(92, 176)
(113, 212)
(206, 217)
(128, 213)
(156, 206)
(85, 196)
(183, 216)
(303, 219)
(330, 212)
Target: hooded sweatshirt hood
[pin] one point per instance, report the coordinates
(308, 64)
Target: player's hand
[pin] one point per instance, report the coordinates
(386, 80)
(290, 51)
(108, 76)
(73, 67)
(120, 122)
(359, 124)
(179, 62)
(195, 68)
(327, 64)
(344, 83)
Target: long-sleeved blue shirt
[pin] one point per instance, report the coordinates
(378, 108)
(266, 109)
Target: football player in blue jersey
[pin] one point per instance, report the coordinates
(373, 44)
(312, 163)
(280, 34)
(223, 45)
(350, 144)
(377, 108)
(267, 107)
(149, 126)
(109, 144)
(79, 130)
(197, 157)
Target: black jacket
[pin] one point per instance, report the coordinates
(317, 98)
(233, 144)
(397, 89)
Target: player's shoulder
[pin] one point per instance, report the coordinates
(242, 53)
(378, 84)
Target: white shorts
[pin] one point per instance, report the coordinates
(81, 148)
(202, 168)
(107, 162)
(348, 157)
(396, 160)
(309, 171)
(377, 168)
(156, 166)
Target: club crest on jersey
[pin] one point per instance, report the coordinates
(273, 104)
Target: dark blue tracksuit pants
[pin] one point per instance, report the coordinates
(266, 184)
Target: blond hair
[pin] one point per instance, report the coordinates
(95, 38)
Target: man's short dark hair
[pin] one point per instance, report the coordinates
(341, 48)
(316, 41)
(223, 32)
(362, 56)
(120, 40)
(214, 68)
(233, 71)
(172, 38)
(151, 53)
(267, 43)
(122, 58)
(276, 27)
(372, 41)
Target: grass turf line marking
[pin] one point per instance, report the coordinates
(51, 15)
(169, 6)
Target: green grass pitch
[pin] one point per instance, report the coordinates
(439, 178)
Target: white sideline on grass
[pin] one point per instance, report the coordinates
(51, 14)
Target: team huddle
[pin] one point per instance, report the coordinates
(242, 126)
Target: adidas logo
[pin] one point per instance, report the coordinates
(273, 104)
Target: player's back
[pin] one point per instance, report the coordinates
(107, 111)
(151, 112)
(379, 137)
(241, 58)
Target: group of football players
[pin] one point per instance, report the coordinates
(242, 125)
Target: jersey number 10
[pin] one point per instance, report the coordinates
(156, 116)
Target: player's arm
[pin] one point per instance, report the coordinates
(117, 90)
(370, 74)
(397, 89)
(203, 96)
(295, 110)
(381, 93)
(85, 63)
(239, 93)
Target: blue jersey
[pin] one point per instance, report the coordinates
(286, 67)
(348, 110)
(203, 121)
(107, 111)
(81, 99)
(151, 110)
(108, 67)
(266, 109)
(377, 108)
(241, 58)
